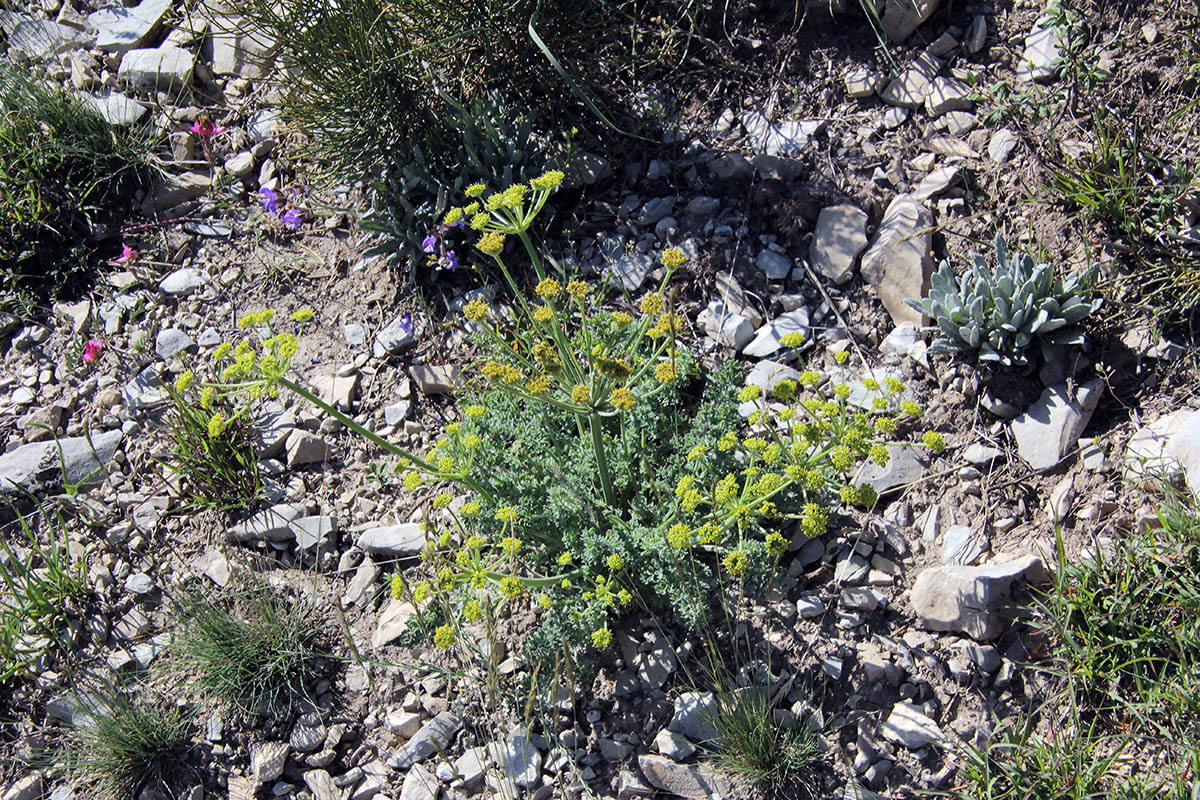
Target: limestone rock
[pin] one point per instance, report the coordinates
(238, 51)
(694, 712)
(898, 264)
(724, 327)
(305, 448)
(908, 725)
(902, 17)
(910, 87)
(766, 339)
(684, 780)
(394, 541)
(1050, 428)
(436, 379)
(39, 465)
(841, 234)
(392, 622)
(120, 29)
(968, 599)
(157, 69)
(115, 108)
(1043, 49)
(435, 735)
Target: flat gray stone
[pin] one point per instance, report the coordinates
(436, 379)
(184, 281)
(171, 342)
(970, 599)
(119, 29)
(238, 51)
(694, 712)
(518, 759)
(393, 541)
(273, 524)
(1052, 426)
(684, 780)
(766, 339)
(396, 336)
(898, 263)
(1043, 50)
(906, 465)
(724, 327)
(392, 623)
(116, 109)
(157, 69)
(775, 266)
(435, 735)
(631, 270)
(910, 88)
(841, 234)
(39, 465)
(41, 39)
(908, 725)
(419, 784)
(305, 448)
(962, 545)
(901, 17)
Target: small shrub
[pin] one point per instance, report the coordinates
(599, 465)
(252, 651)
(39, 590)
(128, 743)
(1127, 623)
(1000, 312)
(63, 169)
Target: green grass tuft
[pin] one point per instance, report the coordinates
(1127, 623)
(250, 650)
(39, 589)
(128, 743)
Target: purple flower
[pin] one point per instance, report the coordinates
(457, 225)
(291, 218)
(406, 323)
(270, 201)
(430, 243)
(452, 260)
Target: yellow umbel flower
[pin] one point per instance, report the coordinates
(543, 314)
(452, 216)
(673, 258)
(622, 399)
(444, 637)
(491, 243)
(652, 304)
(184, 381)
(601, 638)
(475, 190)
(216, 425)
(579, 393)
(736, 562)
(506, 514)
(547, 181)
(476, 310)
(478, 221)
(794, 339)
(547, 288)
(539, 385)
(665, 372)
(578, 289)
(302, 315)
(621, 318)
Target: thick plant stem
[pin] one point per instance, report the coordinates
(610, 497)
(394, 449)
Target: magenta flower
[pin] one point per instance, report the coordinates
(91, 350)
(127, 254)
(291, 218)
(205, 128)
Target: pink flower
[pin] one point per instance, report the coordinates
(127, 254)
(91, 350)
(205, 128)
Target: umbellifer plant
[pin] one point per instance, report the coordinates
(599, 467)
(999, 312)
